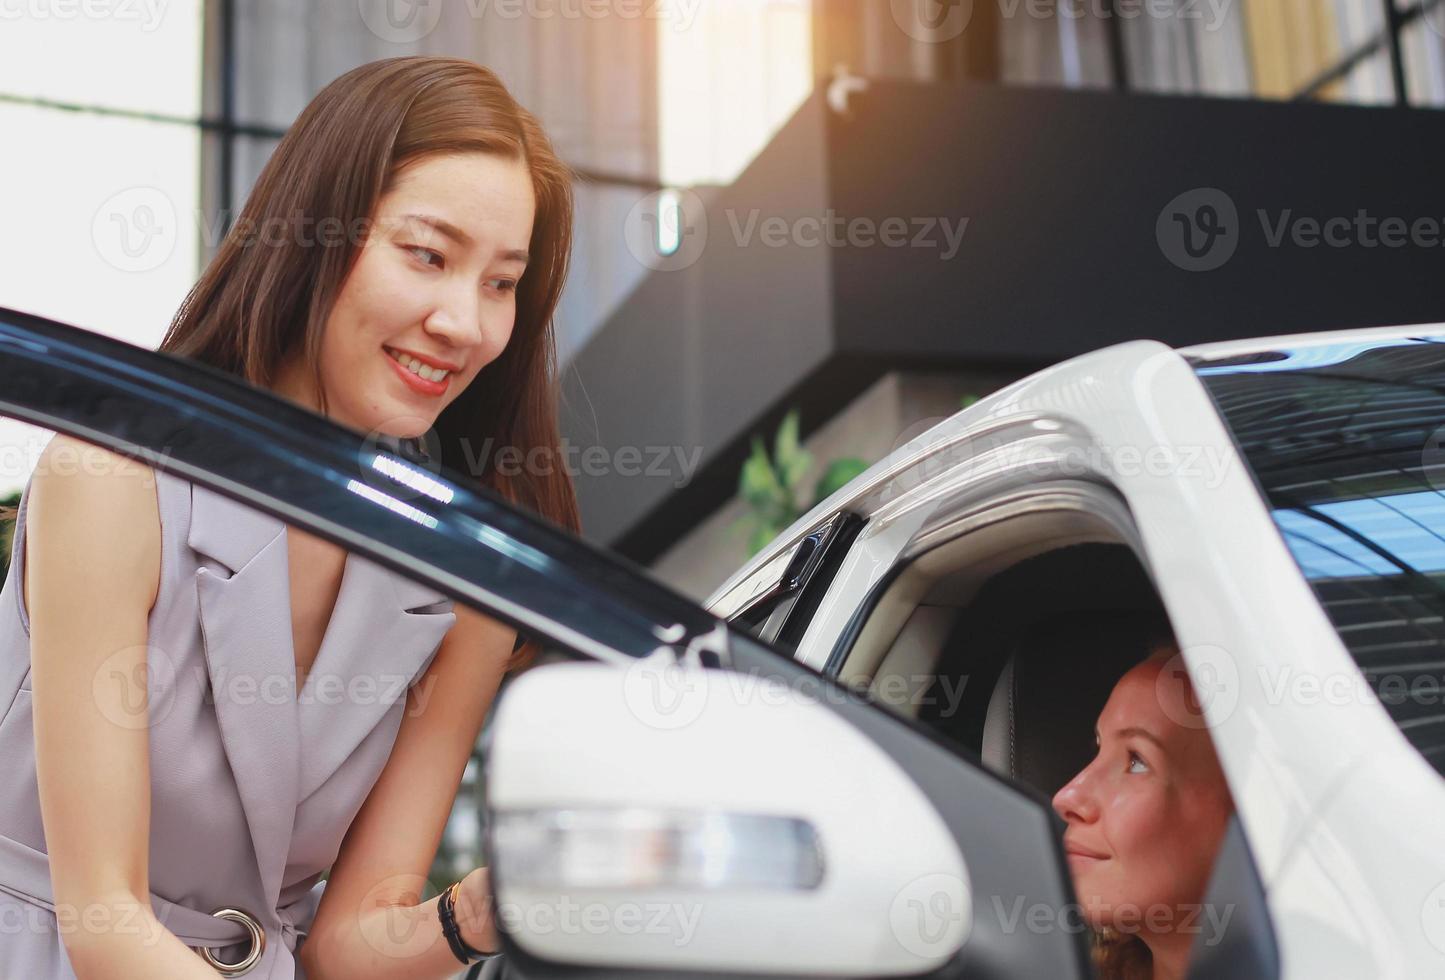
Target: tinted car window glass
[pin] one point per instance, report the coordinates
(1347, 444)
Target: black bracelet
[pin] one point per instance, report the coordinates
(446, 911)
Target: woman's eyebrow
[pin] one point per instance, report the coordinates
(1142, 733)
(442, 225)
(460, 236)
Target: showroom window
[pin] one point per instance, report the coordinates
(710, 131)
(100, 106)
(102, 103)
(1366, 52)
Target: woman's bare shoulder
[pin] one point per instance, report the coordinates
(71, 466)
(89, 500)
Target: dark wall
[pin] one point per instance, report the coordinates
(1064, 191)
(1076, 202)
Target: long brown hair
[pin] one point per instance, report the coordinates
(255, 307)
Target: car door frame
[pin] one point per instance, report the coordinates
(207, 426)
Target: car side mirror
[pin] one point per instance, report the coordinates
(670, 818)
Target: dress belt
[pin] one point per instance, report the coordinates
(27, 877)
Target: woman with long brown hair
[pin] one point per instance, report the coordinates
(396, 267)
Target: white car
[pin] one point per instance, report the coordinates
(1281, 499)
(843, 768)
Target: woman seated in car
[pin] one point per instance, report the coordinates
(1145, 820)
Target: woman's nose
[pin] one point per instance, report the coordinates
(458, 318)
(1075, 802)
(462, 329)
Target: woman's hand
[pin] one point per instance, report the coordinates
(475, 911)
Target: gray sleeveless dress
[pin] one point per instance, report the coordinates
(253, 785)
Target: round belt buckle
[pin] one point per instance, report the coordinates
(258, 944)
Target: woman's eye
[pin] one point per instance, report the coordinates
(1136, 764)
(504, 285)
(423, 254)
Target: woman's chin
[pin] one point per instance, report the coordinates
(1100, 905)
(402, 422)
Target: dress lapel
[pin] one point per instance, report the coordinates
(382, 633)
(246, 629)
(281, 747)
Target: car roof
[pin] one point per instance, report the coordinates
(1255, 345)
(1060, 377)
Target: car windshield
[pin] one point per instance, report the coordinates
(1347, 444)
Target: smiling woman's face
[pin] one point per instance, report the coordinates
(433, 287)
(1146, 816)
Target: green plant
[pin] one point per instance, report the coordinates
(770, 485)
(7, 533)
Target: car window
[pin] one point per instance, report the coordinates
(1347, 445)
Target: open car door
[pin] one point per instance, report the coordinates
(790, 828)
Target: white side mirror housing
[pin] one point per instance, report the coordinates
(660, 817)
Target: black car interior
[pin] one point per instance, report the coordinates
(1037, 653)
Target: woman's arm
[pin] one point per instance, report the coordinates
(371, 923)
(92, 571)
